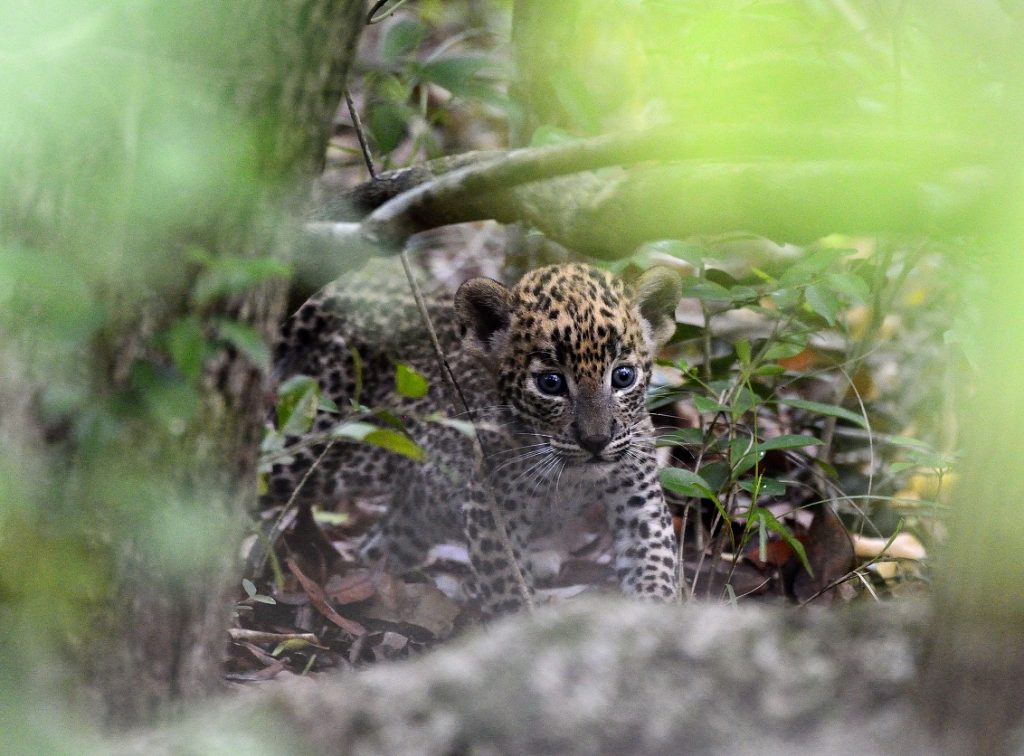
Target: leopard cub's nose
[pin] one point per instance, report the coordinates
(594, 444)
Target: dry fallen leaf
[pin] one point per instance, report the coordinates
(418, 604)
(317, 598)
(903, 546)
(829, 552)
(356, 586)
(267, 673)
(391, 645)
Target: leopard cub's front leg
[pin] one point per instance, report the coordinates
(641, 526)
(495, 582)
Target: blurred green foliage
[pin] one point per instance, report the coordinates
(628, 63)
(140, 142)
(147, 162)
(428, 72)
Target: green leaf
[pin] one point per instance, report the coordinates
(249, 587)
(409, 382)
(464, 427)
(386, 121)
(785, 349)
(168, 397)
(247, 340)
(829, 470)
(273, 441)
(706, 291)
(716, 474)
(297, 400)
(456, 73)
(322, 517)
(770, 369)
(48, 296)
(762, 515)
(793, 441)
(786, 299)
(686, 483)
(356, 431)
(743, 455)
(395, 442)
(402, 37)
(823, 302)
(389, 418)
(764, 486)
(264, 599)
(898, 467)
(291, 644)
(731, 595)
(682, 437)
(826, 409)
(703, 404)
(739, 294)
(744, 401)
(851, 285)
(663, 395)
(231, 274)
(743, 351)
(188, 347)
(811, 267)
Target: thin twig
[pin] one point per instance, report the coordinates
(700, 559)
(373, 18)
(719, 543)
(680, 552)
(275, 529)
(460, 405)
(357, 124)
(691, 503)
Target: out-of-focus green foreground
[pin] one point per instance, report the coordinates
(152, 153)
(123, 170)
(983, 567)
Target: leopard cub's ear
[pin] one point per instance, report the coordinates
(656, 293)
(484, 309)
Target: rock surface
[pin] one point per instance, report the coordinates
(603, 676)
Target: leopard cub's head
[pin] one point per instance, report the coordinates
(571, 347)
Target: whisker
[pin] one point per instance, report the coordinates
(481, 410)
(529, 470)
(516, 449)
(558, 477)
(542, 474)
(528, 455)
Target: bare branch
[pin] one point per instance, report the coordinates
(794, 184)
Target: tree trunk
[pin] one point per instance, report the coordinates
(151, 169)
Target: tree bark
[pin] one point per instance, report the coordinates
(649, 190)
(193, 129)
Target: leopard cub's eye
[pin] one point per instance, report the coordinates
(623, 376)
(552, 384)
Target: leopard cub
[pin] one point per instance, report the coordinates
(554, 370)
